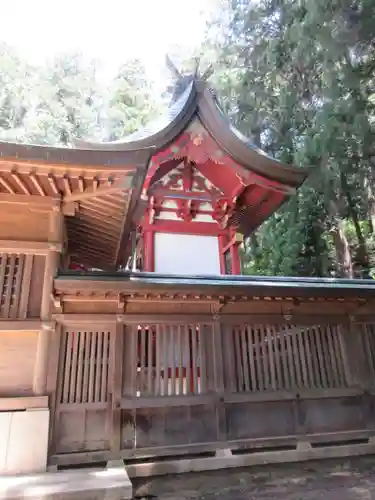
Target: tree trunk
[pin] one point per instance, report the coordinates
(341, 244)
(362, 257)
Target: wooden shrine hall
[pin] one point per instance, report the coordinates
(126, 329)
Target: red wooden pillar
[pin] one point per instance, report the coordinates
(221, 239)
(149, 250)
(235, 257)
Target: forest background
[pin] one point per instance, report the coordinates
(297, 76)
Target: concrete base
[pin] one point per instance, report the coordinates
(224, 460)
(24, 441)
(85, 484)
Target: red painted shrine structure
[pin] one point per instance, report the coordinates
(206, 187)
(124, 317)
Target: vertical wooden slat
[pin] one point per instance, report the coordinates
(276, 342)
(296, 357)
(265, 360)
(25, 290)
(194, 363)
(80, 366)
(158, 340)
(258, 359)
(9, 286)
(202, 358)
(327, 356)
(284, 357)
(290, 363)
(238, 358)
(142, 362)
(3, 268)
(104, 377)
(92, 367)
(73, 375)
(187, 361)
(14, 313)
(271, 357)
(86, 369)
(310, 370)
(366, 341)
(317, 381)
(250, 350)
(245, 357)
(347, 377)
(302, 357)
(180, 361)
(150, 368)
(67, 365)
(333, 354)
(339, 355)
(318, 342)
(98, 363)
(173, 358)
(165, 351)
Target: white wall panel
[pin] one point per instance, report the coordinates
(186, 254)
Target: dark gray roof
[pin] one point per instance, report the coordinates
(262, 285)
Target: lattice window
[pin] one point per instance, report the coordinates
(11, 270)
(169, 360)
(287, 357)
(84, 373)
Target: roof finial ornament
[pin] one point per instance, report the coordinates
(209, 72)
(179, 75)
(171, 66)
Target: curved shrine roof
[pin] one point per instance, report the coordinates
(198, 100)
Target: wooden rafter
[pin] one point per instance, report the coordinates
(91, 218)
(34, 179)
(90, 227)
(111, 214)
(99, 235)
(92, 192)
(67, 186)
(81, 184)
(7, 186)
(20, 183)
(52, 183)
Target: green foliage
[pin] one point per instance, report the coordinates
(65, 99)
(298, 77)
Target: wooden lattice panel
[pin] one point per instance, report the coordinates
(85, 363)
(286, 357)
(11, 274)
(368, 342)
(169, 360)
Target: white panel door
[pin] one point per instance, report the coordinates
(186, 254)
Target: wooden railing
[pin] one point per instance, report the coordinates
(219, 382)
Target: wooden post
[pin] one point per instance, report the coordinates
(148, 251)
(41, 360)
(117, 357)
(51, 265)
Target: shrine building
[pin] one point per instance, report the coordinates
(127, 332)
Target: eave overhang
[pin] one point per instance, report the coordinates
(94, 188)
